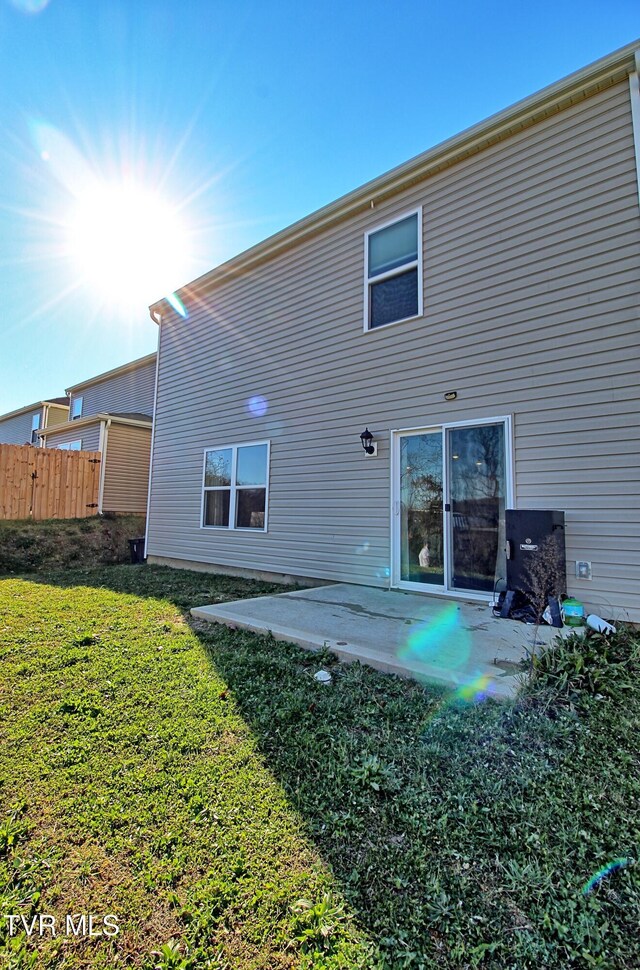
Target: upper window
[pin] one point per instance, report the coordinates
(35, 427)
(76, 408)
(236, 482)
(393, 272)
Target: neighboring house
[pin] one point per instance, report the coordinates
(113, 414)
(477, 310)
(21, 427)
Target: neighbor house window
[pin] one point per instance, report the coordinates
(236, 483)
(393, 271)
(71, 445)
(76, 408)
(35, 427)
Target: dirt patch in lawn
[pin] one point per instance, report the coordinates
(27, 546)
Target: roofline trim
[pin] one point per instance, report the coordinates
(32, 407)
(606, 71)
(122, 369)
(93, 419)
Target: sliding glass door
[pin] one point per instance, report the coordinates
(421, 509)
(451, 493)
(477, 489)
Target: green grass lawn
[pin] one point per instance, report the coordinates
(229, 812)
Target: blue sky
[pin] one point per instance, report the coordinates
(241, 117)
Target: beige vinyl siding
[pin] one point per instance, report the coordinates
(131, 391)
(17, 430)
(89, 434)
(531, 296)
(126, 472)
(56, 415)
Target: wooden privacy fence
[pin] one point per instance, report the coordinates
(48, 483)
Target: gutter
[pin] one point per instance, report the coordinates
(45, 422)
(31, 407)
(634, 92)
(92, 419)
(122, 369)
(602, 74)
(153, 433)
(104, 435)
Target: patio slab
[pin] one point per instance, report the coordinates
(427, 638)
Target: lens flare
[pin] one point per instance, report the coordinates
(65, 162)
(474, 691)
(174, 301)
(129, 245)
(30, 6)
(363, 547)
(257, 406)
(603, 873)
(441, 641)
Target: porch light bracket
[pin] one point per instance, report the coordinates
(370, 446)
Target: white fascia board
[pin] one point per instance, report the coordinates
(613, 68)
(122, 369)
(93, 419)
(634, 91)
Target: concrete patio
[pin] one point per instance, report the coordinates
(428, 638)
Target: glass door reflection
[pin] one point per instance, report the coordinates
(422, 553)
(477, 489)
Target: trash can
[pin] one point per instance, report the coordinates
(136, 549)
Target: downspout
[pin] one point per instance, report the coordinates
(157, 319)
(634, 91)
(45, 422)
(102, 448)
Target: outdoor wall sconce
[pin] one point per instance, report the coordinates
(366, 439)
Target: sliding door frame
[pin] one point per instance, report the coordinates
(395, 567)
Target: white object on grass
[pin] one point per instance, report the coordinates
(601, 626)
(323, 677)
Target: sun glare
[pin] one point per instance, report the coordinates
(129, 245)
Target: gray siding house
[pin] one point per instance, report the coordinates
(476, 310)
(21, 427)
(113, 413)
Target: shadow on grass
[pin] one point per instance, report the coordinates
(425, 811)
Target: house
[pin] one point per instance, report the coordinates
(113, 414)
(21, 427)
(471, 319)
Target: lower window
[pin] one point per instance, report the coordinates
(235, 487)
(71, 445)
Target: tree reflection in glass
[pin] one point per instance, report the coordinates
(477, 489)
(421, 515)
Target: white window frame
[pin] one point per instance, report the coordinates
(36, 421)
(396, 271)
(75, 445)
(233, 487)
(76, 401)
